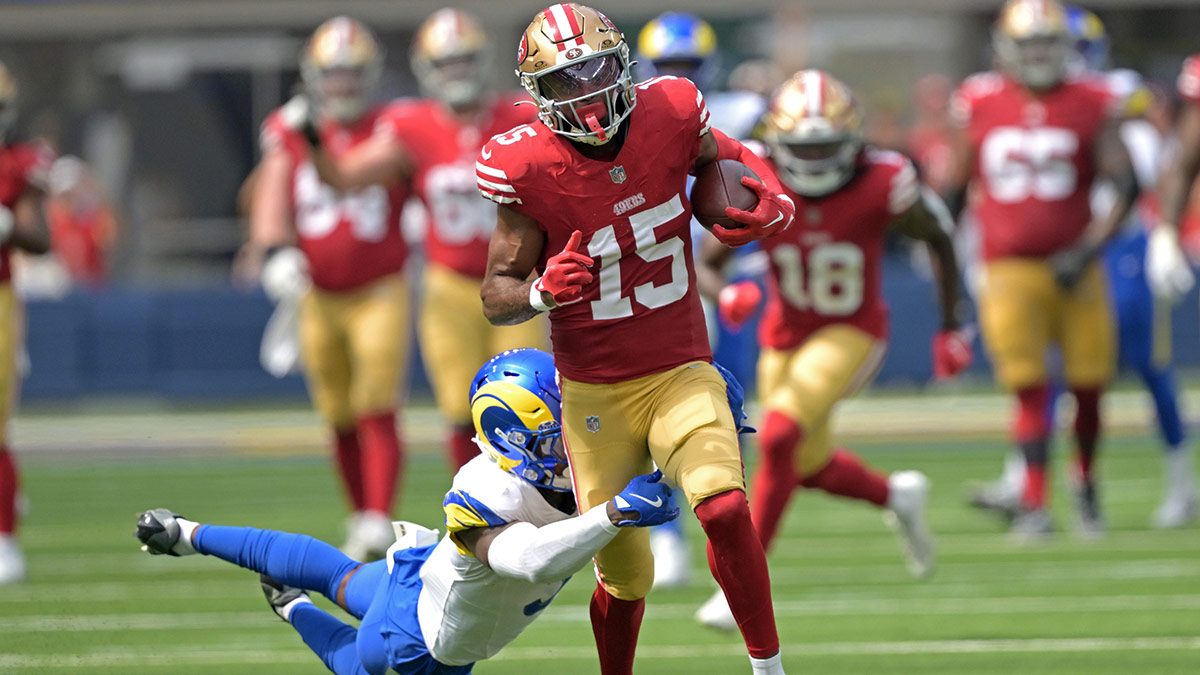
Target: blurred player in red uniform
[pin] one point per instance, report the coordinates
(824, 332)
(447, 131)
(346, 272)
(83, 226)
(592, 198)
(1033, 141)
(23, 169)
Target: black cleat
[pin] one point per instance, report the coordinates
(158, 531)
(279, 595)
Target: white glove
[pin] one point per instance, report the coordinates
(285, 275)
(7, 223)
(1167, 269)
(296, 112)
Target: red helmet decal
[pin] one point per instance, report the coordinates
(522, 49)
(607, 22)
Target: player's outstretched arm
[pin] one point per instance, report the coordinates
(929, 220)
(270, 213)
(736, 302)
(382, 159)
(553, 552)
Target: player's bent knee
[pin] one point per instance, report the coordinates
(626, 566)
(707, 480)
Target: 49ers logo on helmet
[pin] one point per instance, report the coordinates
(522, 49)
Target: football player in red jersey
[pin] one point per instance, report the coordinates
(824, 332)
(346, 272)
(448, 129)
(1033, 141)
(23, 169)
(592, 199)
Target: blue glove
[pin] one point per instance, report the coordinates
(650, 498)
(737, 398)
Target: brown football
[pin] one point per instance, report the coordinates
(718, 185)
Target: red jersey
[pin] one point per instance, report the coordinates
(1033, 160)
(352, 238)
(444, 149)
(641, 314)
(826, 269)
(22, 166)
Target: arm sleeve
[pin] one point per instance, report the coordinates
(729, 148)
(552, 552)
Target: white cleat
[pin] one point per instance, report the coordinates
(370, 534)
(1180, 504)
(1178, 508)
(670, 550)
(12, 563)
(715, 613)
(908, 494)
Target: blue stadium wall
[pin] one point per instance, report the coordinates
(203, 344)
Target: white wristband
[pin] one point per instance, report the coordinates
(535, 297)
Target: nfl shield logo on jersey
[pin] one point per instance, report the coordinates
(593, 423)
(617, 173)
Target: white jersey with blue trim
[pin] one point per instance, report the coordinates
(467, 612)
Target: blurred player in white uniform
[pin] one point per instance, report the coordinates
(684, 45)
(436, 607)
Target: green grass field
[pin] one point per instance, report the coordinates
(94, 603)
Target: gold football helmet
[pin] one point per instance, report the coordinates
(1032, 39)
(447, 58)
(8, 100)
(575, 65)
(814, 129)
(341, 67)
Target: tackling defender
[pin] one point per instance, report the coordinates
(1034, 140)
(824, 331)
(23, 174)
(346, 272)
(436, 607)
(592, 197)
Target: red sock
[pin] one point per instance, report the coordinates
(1032, 432)
(616, 623)
(460, 448)
(775, 476)
(8, 492)
(1087, 429)
(738, 563)
(381, 461)
(1035, 486)
(348, 455)
(846, 475)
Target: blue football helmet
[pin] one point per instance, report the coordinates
(1089, 36)
(517, 409)
(679, 44)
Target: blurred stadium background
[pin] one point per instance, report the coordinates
(144, 388)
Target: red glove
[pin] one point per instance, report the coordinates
(736, 302)
(566, 273)
(952, 352)
(773, 214)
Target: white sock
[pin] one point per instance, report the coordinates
(186, 529)
(772, 665)
(285, 612)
